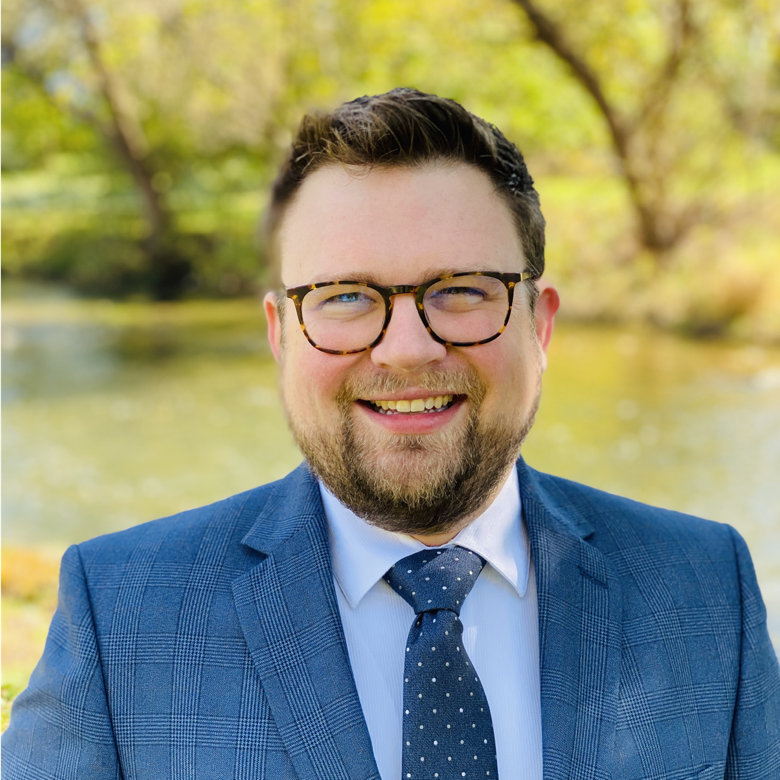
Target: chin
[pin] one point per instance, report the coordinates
(414, 483)
(412, 471)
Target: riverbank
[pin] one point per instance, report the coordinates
(29, 598)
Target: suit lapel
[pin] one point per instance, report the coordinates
(289, 614)
(580, 607)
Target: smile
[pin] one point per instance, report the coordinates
(431, 405)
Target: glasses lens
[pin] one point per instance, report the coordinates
(343, 317)
(466, 309)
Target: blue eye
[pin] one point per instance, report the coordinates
(454, 298)
(342, 302)
(464, 291)
(347, 297)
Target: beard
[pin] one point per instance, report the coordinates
(409, 483)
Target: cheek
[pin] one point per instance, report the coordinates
(312, 379)
(510, 369)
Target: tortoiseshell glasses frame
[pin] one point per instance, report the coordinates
(509, 280)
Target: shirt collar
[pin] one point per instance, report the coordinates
(362, 553)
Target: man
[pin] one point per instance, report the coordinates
(414, 601)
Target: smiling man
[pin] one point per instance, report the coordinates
(413, 601)
(412, 433)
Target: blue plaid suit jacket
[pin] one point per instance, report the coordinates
(209, 645)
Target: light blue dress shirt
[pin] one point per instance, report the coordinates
(500, 622)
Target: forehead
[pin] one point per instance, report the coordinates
(396, 226)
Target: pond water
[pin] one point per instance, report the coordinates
(117, 413)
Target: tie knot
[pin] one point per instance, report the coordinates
(436, 579)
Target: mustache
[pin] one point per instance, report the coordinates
(463, 381)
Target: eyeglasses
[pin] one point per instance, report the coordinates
(458, 310)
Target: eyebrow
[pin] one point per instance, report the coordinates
(370, 278)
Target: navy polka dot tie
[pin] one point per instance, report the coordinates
(448, 731)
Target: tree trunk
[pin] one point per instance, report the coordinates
(168, 270)
(657, 231)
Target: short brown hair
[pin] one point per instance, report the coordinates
(407, 128)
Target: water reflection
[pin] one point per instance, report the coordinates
(119, 413)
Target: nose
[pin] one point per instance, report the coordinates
(407, 346)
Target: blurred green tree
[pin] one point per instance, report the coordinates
(158, 87)
(679, 84)
(142, 134)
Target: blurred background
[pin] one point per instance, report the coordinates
(139, 140)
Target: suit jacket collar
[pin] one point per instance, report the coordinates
(293, 503)
(580, 627)
(289, 613)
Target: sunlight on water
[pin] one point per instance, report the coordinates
(119, 413)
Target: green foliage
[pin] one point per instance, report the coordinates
(92, 235)
(34, 129)
(206, 96)
(7, 695)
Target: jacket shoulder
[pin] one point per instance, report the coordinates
(610, 521)
(223, 524)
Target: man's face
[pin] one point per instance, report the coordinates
(418, 472)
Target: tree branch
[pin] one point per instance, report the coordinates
(124, 134)
(657, 93)
(549, 33)
(37, 78)
(656, 232)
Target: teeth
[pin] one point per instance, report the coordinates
(415, 405)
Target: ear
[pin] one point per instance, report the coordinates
(544, 315)
(274, 324)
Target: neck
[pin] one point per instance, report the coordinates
(437, 540)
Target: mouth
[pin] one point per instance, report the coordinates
(434, 404)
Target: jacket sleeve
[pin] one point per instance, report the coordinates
(60, 725)
(754, 747)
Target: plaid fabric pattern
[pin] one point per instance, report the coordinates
(656, 662)
(208, 645)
